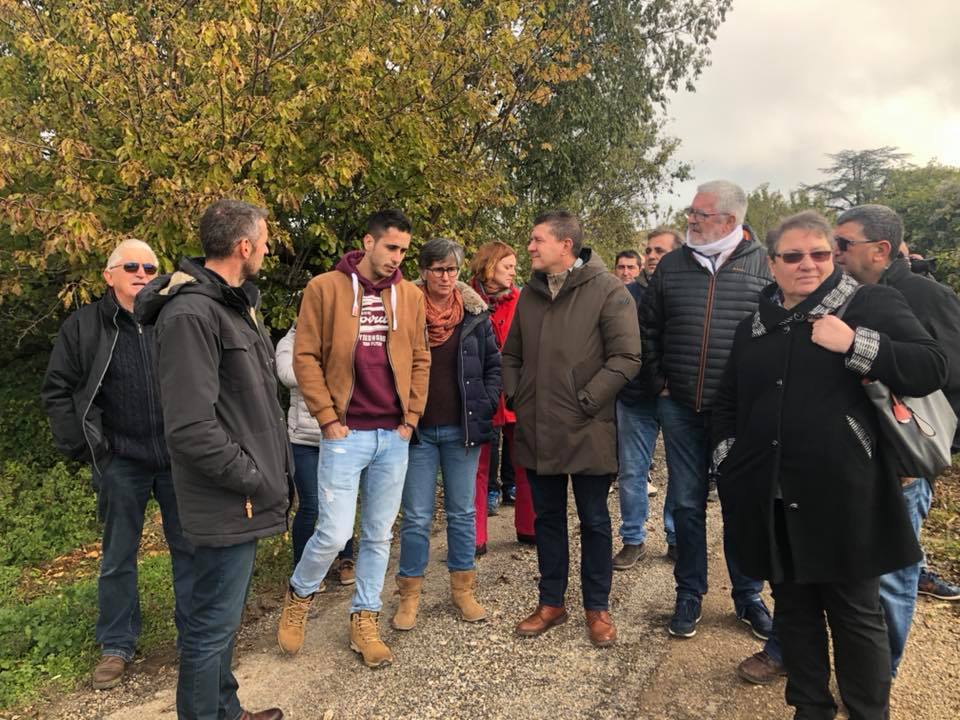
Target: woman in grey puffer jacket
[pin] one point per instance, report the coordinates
(305, 437)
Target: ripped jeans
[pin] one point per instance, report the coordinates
(373, 464)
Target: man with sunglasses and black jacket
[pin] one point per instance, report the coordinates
(868, 241)
(102, 397)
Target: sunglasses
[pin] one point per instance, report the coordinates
(795, 257)
(133, 267)
(658, 251)
(843, 244)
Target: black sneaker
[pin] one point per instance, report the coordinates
(758, 618)
(685, 618)
(935, 586)
(629, 556)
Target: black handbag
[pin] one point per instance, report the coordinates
(919, 430)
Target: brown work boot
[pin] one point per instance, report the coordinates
(293, 622)
(109, 672)
(541, 620)
(271, 714)
(405, 618)
(629, 556)
(348, 571)
(600, 628)
(461, 590)
(761, 669)
(365, 639)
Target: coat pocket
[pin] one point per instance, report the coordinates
(861, 434)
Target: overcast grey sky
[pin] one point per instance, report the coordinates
(792, 80)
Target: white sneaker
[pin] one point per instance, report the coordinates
(651, 488)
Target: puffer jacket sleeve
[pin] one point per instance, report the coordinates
(622, 346)
(284, 358)
(492, 364)
(190, 386)
(653, 321)
(62, 379)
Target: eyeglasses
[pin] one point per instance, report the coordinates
(133, 267)
(700, 215)
(795, 257)
(439, 272)
(843, 244)
(658, 251)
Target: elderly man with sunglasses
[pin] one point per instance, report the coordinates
(101, 394)
(691, 310)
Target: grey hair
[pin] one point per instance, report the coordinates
(116, 257)
(730, 198)
(809, 220)
(439, 249)
(879, 223)
(227, 222)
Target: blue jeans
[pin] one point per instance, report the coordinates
(637, 429)
(122, 494)
(898, 589)
(371, 463)
(206, 688)
(440, 447)
(305, 461)
(687, 443)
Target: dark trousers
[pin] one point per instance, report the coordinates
(122, 494)
(206, 688)
(596, 537)
(860, 647)
(305, 461)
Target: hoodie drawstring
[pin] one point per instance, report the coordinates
(393, 305)
(356, 295)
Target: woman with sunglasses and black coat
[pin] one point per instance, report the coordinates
(815, 499)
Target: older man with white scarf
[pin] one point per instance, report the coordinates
(692, 307)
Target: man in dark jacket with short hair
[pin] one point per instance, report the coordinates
(573, 345)
(692, 307)
(232, 464)
(868, 239)
(102, 397)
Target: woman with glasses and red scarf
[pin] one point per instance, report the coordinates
(493, 270)
(813, 492)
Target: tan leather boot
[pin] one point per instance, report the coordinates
(461, 590)
(293, 622)
(406, 616)
(365, 639)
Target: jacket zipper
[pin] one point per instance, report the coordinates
(353, 357)
(463, 388)
(393, 370)
(706, 337)
(83, 418)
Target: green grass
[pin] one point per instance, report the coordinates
(47, 644)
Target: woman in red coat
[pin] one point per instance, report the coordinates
(493, 269)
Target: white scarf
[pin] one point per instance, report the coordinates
(713, 255)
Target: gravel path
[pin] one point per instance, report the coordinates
(448, 669)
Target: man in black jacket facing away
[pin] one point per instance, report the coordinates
(692, 307)
(232, 464)
(868, 239)
(103, 400)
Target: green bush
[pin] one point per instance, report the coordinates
(44, 512)
(24, 430)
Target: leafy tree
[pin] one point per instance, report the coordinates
(857, 176)
(599, 147)
(766, 208)
(928, 200)
(123, 119)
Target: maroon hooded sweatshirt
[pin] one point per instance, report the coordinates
(374, 404)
